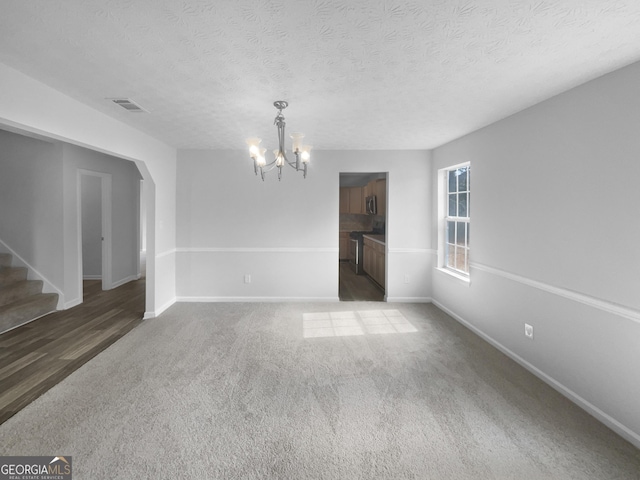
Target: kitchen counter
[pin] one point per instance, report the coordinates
(376, 238)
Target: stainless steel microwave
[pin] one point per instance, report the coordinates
(371, 204)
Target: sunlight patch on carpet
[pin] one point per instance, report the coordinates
(352, 323)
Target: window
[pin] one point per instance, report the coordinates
(456, 219)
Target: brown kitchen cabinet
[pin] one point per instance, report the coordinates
(380, 189)
(356, 202)
(367, 257)
(344, 199)
(367, 190)
(374, 260)
(351, 200)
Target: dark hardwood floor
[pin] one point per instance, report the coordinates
(40, 354)
(354, 287)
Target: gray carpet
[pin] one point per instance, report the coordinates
(326, 391)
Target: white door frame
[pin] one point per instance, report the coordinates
(107, 281)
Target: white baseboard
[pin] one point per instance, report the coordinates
(409, 300)
(609, 421)
(128, 279)
(72, 303)
(158, 312)
(257, 299)
(92, 277)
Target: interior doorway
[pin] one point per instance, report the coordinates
(94, 203)
(91, 208)
(362, 234)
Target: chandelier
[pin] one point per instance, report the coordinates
(302, 152)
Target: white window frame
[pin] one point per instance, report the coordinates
(444, 217)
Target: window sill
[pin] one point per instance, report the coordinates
(464, 279)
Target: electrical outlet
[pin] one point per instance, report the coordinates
(247, 278)
(406, 279)
(528, 331)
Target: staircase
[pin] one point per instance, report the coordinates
(21, 300)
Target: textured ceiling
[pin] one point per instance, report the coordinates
(358, 74)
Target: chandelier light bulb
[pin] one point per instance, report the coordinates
(254, 148)
(306, 153)
(260, 159)
(296, 141)
(279, 157)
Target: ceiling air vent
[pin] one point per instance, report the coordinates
(128, 105)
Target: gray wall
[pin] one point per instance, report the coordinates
(31, 211)
(555, 237)
(285, 234)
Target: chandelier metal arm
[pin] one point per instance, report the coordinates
(280, 123)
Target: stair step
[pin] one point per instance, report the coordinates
(5, 259)
(26, 309)
(17, 290)
(9, 275)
